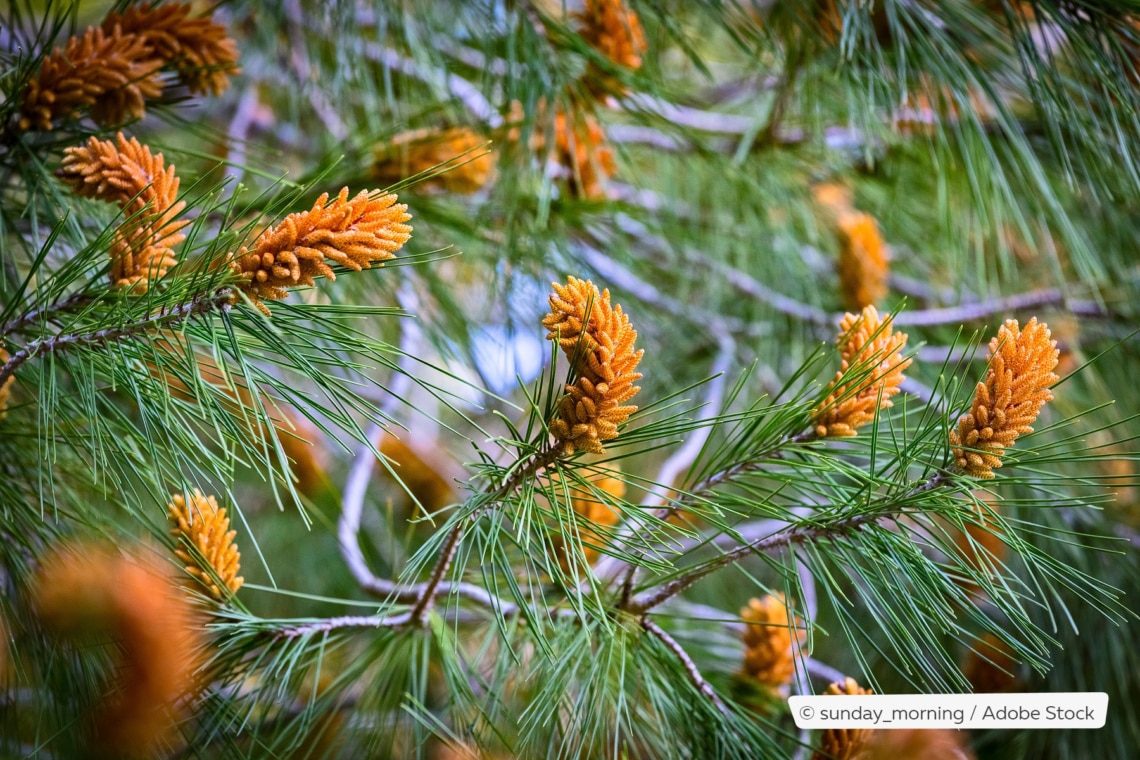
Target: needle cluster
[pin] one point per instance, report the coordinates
(596, 512)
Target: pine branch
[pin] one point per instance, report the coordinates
(165, 317)
(348, 528)
(954, 315)
(692, 118)
(531, 467)
(352, 500)
(749, 286)
(340, 623)
(752, 464)
(47, 313)
(646, 601)
(694, 673)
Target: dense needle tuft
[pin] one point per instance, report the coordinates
(596, 510)
(1007, 402)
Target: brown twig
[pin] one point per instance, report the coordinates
(695, 677)
(799, 534)
(75, 300)
(428, 591)
(165, 317)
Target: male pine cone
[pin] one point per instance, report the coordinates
(769, 630)
(125, 173)
(598, 340)
(616, 32)
(1007, 402)
(844, 743)
(870, 374)
(203, 525)
(354, 233)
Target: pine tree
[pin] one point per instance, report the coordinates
(569, 379)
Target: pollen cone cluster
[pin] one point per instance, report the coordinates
(582, 150)
(863, 266)
(768, 635)
(616, 33)
(111, 74)
(356, 233)
(125, 173)
(112, 70)
(204, 526)
(598, 340)
(844, 743)
(870, 373)
(579, 149)
(469, 167)
(199, 50)
(157, 640)
(1007, 402)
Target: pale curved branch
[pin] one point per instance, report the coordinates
(352, 501)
